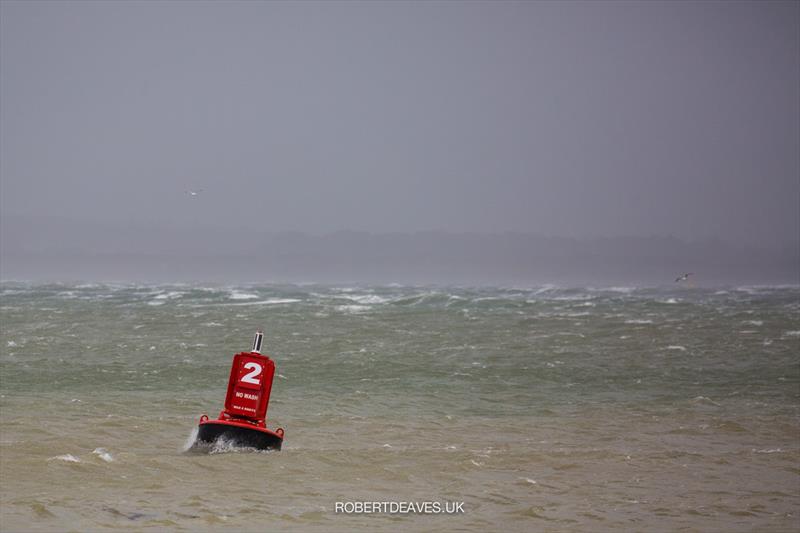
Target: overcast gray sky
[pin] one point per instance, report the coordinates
(568, 119)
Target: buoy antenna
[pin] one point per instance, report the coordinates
(257, 341)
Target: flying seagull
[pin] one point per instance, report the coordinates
(194, 194)
(684, 277)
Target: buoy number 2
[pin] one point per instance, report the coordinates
(252, 376)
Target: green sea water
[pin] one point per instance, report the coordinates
(540, 408)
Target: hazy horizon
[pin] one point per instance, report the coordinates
(142, 253)
(175, 121)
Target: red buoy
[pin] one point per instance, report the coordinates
(243, 420)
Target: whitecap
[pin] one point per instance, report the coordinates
(546, 288)
(638, 321)
(11, 344)
(368, 299)
(237, 295)
(169, 295)
(352, 308)
(572, 298)
(67, 457)
(276, 301)
(676, 347)
(268, 301)
(344, 289)
(103, 454)
(795, 333)
(753, 322)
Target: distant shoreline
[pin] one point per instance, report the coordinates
(68, 250)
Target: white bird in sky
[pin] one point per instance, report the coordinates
(684, 277)
(194, 194)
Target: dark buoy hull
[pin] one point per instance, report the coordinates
(238, 434)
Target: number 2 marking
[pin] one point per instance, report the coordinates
(251, 377)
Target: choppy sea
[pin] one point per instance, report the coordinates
(538, 408)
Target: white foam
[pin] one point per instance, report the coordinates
(237, 295)
(67, 457)
(11, 344)
(795, 333)
(546, 288)
(344, 289)
(572, 298)
(103, 454)
(352, 308)
(368, 299)
(223, 445)
(169, 295)
(676, 347)
(268, 301)
(638, 321)
(753, 322)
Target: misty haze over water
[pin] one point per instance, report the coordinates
(437, 142)
(151, 254)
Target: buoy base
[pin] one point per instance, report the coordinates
(240, 434)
